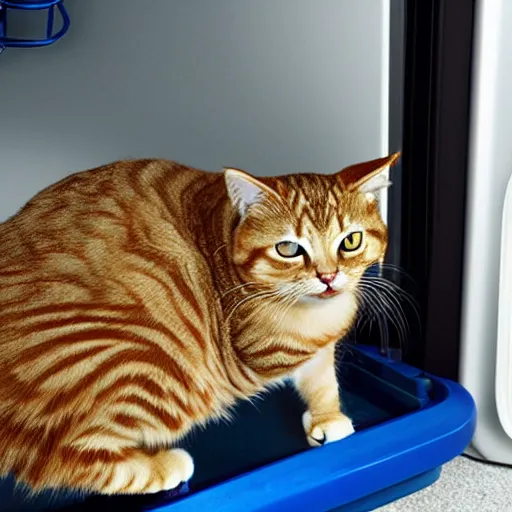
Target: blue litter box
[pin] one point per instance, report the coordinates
(408, 425)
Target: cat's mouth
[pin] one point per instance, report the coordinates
(329, 292)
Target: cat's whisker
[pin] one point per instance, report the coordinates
(380, 299)
(223, 246)
(264, 294)
(397, 270)
(388, 306)
(280, 310)
(392, 302)
(238, 287)
(367, 312)
(290, 294)
(398, 291)
(380, 318)
(371, 301)
(362, 317)
(358, 321)
(290, 299)
(384, 299)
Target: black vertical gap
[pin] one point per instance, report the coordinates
(439, 37)
(396, 110)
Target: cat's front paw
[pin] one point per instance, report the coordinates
(326, 429)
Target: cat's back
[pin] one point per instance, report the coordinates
(119, 188)
(99, 227)
(121, 200)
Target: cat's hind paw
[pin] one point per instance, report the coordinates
(170, 469)
(326, 429)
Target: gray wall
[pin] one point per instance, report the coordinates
(269, 86)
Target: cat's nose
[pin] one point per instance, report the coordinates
(327, 278)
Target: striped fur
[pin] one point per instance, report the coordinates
(135, 303)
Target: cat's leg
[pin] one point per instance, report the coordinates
(128, 471)
(143, 473)
(316, 381)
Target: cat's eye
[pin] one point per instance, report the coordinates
(289, 249)
(352, 242)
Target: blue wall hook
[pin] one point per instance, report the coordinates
(50, 6)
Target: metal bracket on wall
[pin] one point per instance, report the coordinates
(29, 6)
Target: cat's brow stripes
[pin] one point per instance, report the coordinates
(295, 198)
(307, 200)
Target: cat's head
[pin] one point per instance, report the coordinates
(309, 236)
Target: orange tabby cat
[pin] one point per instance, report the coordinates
(142, 298)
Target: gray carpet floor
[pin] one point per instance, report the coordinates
(464, 486)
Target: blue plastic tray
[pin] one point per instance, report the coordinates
(408, 424)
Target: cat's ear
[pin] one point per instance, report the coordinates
(245, 190)
(368, 177)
